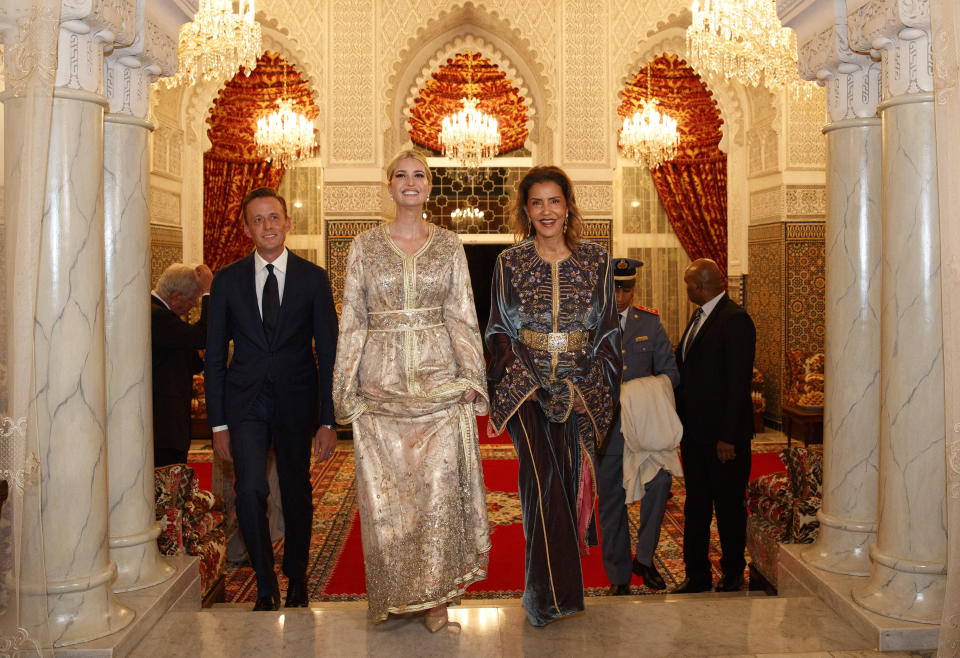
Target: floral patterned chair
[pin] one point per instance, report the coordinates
(191, 522)
(783, 510)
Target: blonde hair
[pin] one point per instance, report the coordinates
(523, 227)
(403, 155)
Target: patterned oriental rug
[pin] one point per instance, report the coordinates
(336, 571)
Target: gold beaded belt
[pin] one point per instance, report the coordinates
(555, 341)
(405, 319)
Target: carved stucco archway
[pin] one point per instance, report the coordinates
(456, 29)
(487, 50)
(196, 102)
(670, 36)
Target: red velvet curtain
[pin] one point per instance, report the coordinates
(231, 167)
(693, 186)
(694, 195)
(225, 183)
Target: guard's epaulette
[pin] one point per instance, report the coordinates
(648, 310)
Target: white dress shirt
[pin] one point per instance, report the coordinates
(707, 309)
(260, 275)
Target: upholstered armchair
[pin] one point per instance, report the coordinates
(191, 522)
(783, 510)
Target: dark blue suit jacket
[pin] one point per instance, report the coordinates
(713, 399)
(307, 318)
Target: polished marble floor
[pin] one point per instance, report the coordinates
(691, 625)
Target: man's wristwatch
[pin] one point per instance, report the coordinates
(329, 427)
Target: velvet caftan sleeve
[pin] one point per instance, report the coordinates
(599, 382)
(508, 378)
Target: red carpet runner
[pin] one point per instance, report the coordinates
(336, 554)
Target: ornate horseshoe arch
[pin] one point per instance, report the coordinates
(670, 37)
(455, 30)
(477, 45)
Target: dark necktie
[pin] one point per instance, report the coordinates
(694, 325)
(270, 303)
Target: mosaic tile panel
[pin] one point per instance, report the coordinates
(162, 255)
(340, 233)
(785, 298)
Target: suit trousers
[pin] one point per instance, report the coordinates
(714, 486)
(615, 525)
(250, 442)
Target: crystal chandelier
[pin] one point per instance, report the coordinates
(217, 43)
(744, 40)
(470, 136)
(284, 136)
(649, 137)
(467, 214)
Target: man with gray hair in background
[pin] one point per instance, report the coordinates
(175, 359)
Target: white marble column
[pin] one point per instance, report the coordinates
(848, 515)
(908, 575)
(69, 359)
(126, 172)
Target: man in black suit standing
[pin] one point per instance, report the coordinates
(276, 308)
(715, 357)
(175, 360)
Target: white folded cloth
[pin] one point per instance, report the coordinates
(651, 432)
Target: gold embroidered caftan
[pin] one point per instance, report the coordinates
(409, 348)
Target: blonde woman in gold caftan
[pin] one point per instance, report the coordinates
(410, 378)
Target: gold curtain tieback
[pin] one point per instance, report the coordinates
(555, 341)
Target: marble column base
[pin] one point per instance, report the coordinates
(795, 577)
(181, 592)
(904, 589)
(139, 563)
(84, 608)
(842, 546)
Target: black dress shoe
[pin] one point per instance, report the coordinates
(651, 577)
(619, 590)
(297, 594)
(268, 602)
(730, 583)
(691, 587)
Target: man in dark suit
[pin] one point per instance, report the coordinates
(276, 308)
(175, 359)
(646, 353)
(715, 356)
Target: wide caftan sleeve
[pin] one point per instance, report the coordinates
(348, 404)
(508, 378)
(460, 317)
(599, 384)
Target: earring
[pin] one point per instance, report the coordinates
(565, 221)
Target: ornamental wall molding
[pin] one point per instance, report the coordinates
(302, 46)
(86, 29)
(670, 37)
(279, 39)
(898, 31)
(475, 44)
(353, 199)
(516, 56)
(129, 71)
(595, 198)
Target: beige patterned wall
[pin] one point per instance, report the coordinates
(806, 146)
(584, 129)
(785, 298)
(352, 117)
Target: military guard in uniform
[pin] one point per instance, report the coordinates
(646, 352)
